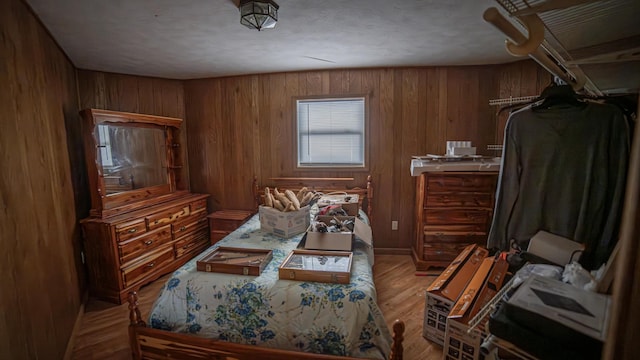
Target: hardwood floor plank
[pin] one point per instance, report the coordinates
(103, 332)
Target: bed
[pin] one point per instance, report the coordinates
(262, 317)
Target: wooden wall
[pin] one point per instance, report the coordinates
(145, 95)
(242, 126)
(40, 296)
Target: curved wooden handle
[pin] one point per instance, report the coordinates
(535, 29)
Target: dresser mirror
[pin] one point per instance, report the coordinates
(132, 159)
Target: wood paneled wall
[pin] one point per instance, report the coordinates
(40, 295)
(137, 94)
(242, 126)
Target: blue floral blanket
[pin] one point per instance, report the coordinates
(264, 310)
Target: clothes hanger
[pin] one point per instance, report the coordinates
(557, 95)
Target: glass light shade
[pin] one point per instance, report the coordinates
(259, 14)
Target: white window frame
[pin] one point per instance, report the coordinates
(363, 133)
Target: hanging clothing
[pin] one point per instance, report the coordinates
(563, 171)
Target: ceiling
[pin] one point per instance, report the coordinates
(204, 38)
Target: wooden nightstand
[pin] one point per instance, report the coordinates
(223, 222)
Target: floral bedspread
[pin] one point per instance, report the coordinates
(263, 310)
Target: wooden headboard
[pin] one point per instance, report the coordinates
(324, 185)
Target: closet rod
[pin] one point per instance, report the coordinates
(493, 16)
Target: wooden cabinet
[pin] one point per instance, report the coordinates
(126, 251)
(223, 222)
(453, 210)
(144, 221)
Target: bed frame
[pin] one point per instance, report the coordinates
(324, 185)
(149, 343)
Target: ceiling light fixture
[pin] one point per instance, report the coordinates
(258, 14)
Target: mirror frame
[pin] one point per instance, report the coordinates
(103, 205)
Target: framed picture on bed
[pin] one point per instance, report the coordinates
(318, 266)
(232, 260)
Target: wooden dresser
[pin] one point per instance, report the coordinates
(453, 210)
(127, 251)
(144, 222)
(223, 222)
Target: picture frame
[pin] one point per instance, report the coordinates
(233, 260)
(318, 266)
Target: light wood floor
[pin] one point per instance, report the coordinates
(103, 331)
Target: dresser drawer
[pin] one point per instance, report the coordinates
(193, 222)
(198, 205)
(456, 216)
(461, 182)
(191, 243)
(167, 216)
(442, 251)
(141, 269)
(484, 200)
(456, 229)
(131, 249)
(130, 229)
(453, 238)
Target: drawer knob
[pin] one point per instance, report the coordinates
(148, 242)
(183, 228)
(131, 231)
(151, 264)
(157, 221)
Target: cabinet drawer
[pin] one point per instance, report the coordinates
(141, 269)
(461, 182)
(167, 216)
(191, 243)
(217, 236)
(456, 216)
(468, 238)
(228, 220)
(199, 205)
(137, 246)
(190, 223)
(456, 229)
(459, 200)
(442, 251)
(130, 229)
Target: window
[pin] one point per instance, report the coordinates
(105, 145)
(331, 132)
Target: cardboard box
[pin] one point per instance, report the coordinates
(459, 342)
(447, 288)
(349, 202)
(342, 241)
(577, 316)
(284, 224)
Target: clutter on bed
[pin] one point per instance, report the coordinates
(336, 233)
(318, 266)
(232, 260)
(284, 224)
(347, 202)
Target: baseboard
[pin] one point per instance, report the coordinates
(68, 354)
(392, 251)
